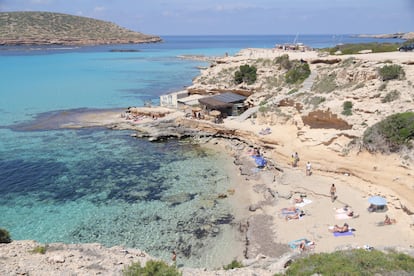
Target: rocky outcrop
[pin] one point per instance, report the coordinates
(20, 258)
(325, 119)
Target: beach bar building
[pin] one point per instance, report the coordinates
(180, 99)
(230, 104)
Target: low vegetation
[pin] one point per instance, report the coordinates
(353, 262)
(246, 74)
(325, 84)
(4, 236)
(351, 49)
(38, 250)
(391, 134)
(391, 72)
(284, 62)
(232, 265)
(316, 101)
(347, 106)
(391, 96)
(151, 268)
(299, 72)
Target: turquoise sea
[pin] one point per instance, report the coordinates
(99, 185)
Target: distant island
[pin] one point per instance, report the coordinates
(47, 28)
(406, 36)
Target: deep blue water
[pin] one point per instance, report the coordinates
(98, 185)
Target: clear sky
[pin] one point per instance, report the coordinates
(206, 17)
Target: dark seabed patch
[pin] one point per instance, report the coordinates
(59, 119)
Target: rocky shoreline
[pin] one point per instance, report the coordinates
(75, 42)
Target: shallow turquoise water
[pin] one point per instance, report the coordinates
(106, 186)
(97, 185)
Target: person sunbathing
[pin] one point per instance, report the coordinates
(388, 220)
(295, 216)
(298, 200)
(289, 209)
(372, 208)
(341, 229)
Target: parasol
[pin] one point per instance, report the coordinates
(260, 161)
(377, 200)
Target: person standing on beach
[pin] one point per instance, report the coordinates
(333, 192)
(174, 257)
(308, 168)
(293, 161)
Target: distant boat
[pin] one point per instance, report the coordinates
(295, 41)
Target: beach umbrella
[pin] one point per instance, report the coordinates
(377, 200)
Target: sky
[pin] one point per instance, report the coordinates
(237, 17)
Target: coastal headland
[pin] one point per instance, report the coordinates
(307, 120)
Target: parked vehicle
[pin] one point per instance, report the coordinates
(406, 48)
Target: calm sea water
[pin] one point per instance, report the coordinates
(97, 185)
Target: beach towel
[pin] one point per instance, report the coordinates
(265, 131)
(342, 216)
(295, 244)
(338, 234)
(305, 202)
(341, 211)
(285, 211)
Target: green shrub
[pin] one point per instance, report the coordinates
(152, 268)
(5, 236)
(294, 90)
(347, 105)
(391, 72)
(232, 265)
(359, 85)
(351, 49)
(39, 250)
(298, 73)
(382, 87)
(353, 262)
(315, 101)
(326, 84)
(284, 61)
(348, 62)
(391, 96)
(246, 74)
(264, 108)
(390, 134)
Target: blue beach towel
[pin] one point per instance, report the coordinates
(295, 244)
(284, 211)
(349, 233)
